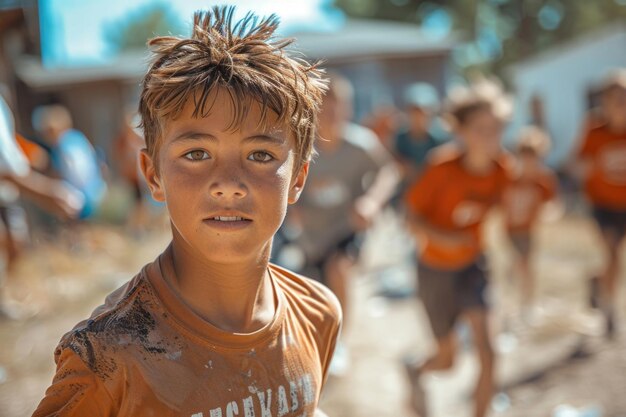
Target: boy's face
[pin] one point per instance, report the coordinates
(481, 133)
(334, 114)
(419, 119)
(226, 190)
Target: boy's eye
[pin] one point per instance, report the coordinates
(260, 156)
(197, 155)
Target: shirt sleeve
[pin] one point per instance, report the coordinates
(334, 320)
(550, 186)
(587, 145)
(75, 391)
(420, 194)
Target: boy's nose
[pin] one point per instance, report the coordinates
(228, 188)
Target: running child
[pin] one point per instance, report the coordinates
(446, 206)
(602, 166)
(532, 185)
(350, 181)
(211, 328)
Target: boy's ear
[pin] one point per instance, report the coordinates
(297, 184)
(151, 175)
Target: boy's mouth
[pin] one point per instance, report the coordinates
(229, 219)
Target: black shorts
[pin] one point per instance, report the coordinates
(349, 246)
(611, 221)
(448, 294)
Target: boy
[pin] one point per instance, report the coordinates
(532, 185)
(602, 165)
(18, 179)
(352, 179)
(210, 328)
(446, 207)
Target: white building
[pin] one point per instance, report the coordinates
(563, 78)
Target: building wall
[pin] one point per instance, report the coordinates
(380, 82)
(563, 79)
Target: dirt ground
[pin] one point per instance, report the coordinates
(551, 364)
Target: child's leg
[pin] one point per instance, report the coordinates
(522, 246)
(527, 284)
(437, 290)
(336, 274)
(443, 358)
(608, 279)
(477, 318)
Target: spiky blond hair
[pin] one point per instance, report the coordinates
(243, 58)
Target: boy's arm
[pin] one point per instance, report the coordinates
(75, 391)
(368, 205)
(419, 227)
(50, 194)
(580, 164)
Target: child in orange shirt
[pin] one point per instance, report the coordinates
(532, 185)
(211, 328)
(602, 164)
(446, 206)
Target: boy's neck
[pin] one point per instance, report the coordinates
(477, 163)
(616, 128)
(237, 298)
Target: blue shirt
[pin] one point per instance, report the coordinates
(76, 161)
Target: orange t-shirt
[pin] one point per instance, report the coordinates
(450, 198)
(144, 353)
(524, 197)
(606, 184)
(32, 151)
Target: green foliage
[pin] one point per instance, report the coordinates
(133, 31)
(497, 33)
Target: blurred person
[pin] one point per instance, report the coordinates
(601, 166)
(210, 327)
(532, 186)
(128, 145)
(415, 140)
(446, 206)
(349, 182)
(384, 122)
(13, 226)
(72, 156)
(17, 177)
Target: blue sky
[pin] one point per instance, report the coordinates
(72, 31)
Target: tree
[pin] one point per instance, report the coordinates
(495, 33)
(133, 31)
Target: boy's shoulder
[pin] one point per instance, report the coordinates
(124, 320)
(362, 141)
(445, 155)
(310, 296)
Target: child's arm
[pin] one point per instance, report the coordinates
(368, 205)
(50, 194)
(581, 161)
(75, 391)
(420, 227)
